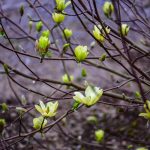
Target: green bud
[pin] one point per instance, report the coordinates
(39, 123)
(21, 10)
(103, 57)
(2, 124)
(67, 33)
(92, 120)
(108, 9)
(83, 72)
(98, 33)
(4, 107)
(99, 135)
(124, 29)
(67, 79)
(81, 53)
(2, 33)
(42, 45)
(137, 95)
(46, 33)
(39, 26)
(58, 17)
(61, 5)
(65, 46)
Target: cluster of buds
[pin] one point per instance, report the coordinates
(99, 33)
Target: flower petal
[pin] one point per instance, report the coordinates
(42, 105)
(38, 108)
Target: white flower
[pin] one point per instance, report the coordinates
(48, 110)
(92, 95)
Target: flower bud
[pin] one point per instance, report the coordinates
(39, 26)
(98, 34)
(4, 107)
(67, 33)
(42, 45)
(46, 33)
(81, 53)
(67, 79)
(99, 135)
(103, 57)
(92, 120)
(108, 9)
(61, 5)
(2, 124)
(58, 17)
(124, 29)
(66, 46)
(83, 72)
(39, 123)
(21, 10)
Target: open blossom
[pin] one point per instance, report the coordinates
(48, 110)
(92, 95)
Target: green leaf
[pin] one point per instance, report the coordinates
(6, 68)
(83, 72)
(49, 54)
(75, 105)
